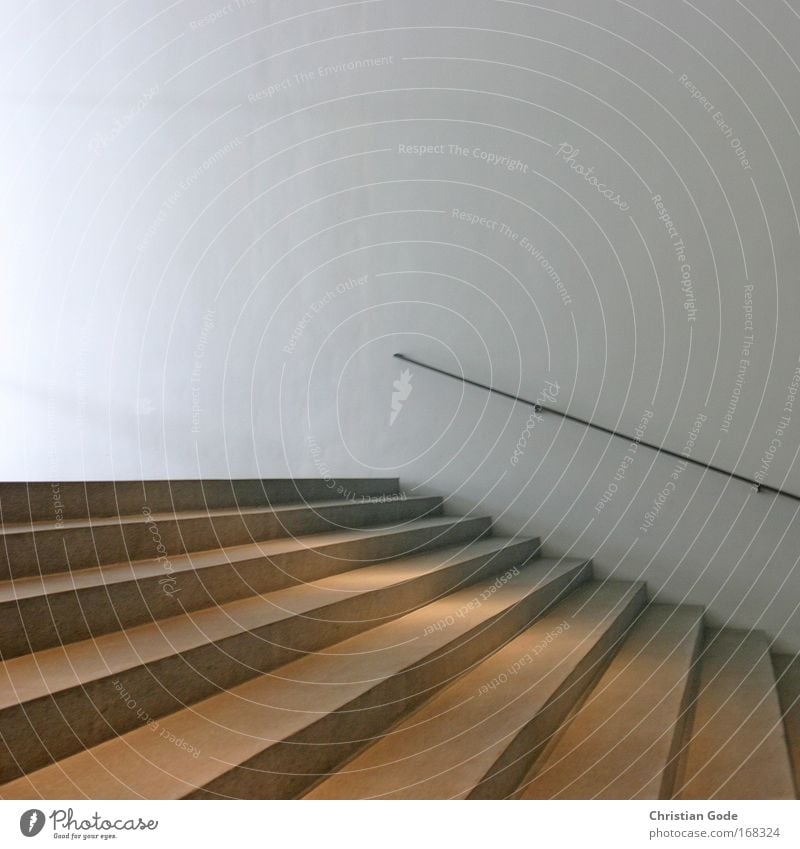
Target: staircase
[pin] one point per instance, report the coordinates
(336, 639)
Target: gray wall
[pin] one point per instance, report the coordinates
(220, 221)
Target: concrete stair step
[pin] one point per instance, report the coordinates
(736, 747)
(26, 502)
(70, 694)
(477, 737)
(273, 735)
(49, 610)
(787, 675)
(622, 743)
(50, 547)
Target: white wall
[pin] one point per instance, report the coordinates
(182, 191)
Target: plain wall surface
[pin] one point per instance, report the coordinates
(220, 220)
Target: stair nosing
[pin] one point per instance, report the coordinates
(572, 565)
(41, 526)
(225, 555)
(628, 591)
(198, 639)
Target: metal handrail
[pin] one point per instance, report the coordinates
(541, 408)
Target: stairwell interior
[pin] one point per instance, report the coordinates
(286, 639)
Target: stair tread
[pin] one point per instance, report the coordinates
(113, 573)
(54, 669)
(449, 745)
(38, 526)
(736, 748)
(620, 743)
(233, 726)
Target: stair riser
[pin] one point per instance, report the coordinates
(72, 616)
(511, 768)
(49, 502)
(288, 769)
(670, 778)
(50, 551)
(79, 718)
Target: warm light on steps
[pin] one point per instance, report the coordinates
(352, 642)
